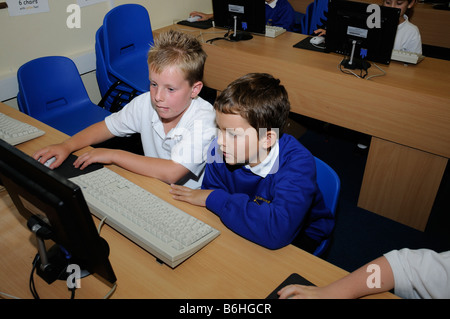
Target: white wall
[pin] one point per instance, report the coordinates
(23, 38)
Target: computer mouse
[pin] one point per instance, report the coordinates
(317, 40)
(193, 18)
(49, 161)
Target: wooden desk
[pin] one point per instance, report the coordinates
(229, 267)
(407, 113)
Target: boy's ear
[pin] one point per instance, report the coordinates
(411, 4)
(270, 139)
(196, 88)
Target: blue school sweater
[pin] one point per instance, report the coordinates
(283, 15)
(273, 210)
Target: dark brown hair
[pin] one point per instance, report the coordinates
(259, 98)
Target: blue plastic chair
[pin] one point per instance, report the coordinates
(318, 15)
(51, 90)
(314, 17)
(115, 93)
(127, 39)
(305, 19)
(330, 186)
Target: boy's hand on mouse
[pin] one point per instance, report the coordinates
(299, 292)
(203, 16)
(193, 196)
(320, 32)
(59, 151)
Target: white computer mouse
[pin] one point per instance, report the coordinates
(317, 40)
(193, 18)
(49, 161)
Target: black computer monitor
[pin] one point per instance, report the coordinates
(354, 31)
(243, 17)
(55, 210)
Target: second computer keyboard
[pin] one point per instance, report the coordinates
(274, 31)
(407, 57)
(15, 132)
(165, 231)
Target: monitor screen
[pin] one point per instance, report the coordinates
(364, 29)
(246, 15)
(55, 209)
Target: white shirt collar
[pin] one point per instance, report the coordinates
(265, 167)
(273, 4)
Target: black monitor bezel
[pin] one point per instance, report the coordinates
(379, 42)
(254, 9)
(39, 192)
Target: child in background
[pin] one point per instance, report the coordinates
(408, 36)
(278, 13)
(413, 274)
(176, 125)
(259, 181)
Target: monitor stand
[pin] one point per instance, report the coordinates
(354, 63)
(239, 35)
(51, 264)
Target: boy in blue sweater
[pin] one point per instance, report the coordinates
(278, 13)
(259, 181)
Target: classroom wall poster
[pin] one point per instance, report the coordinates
(83, 3)
(22, 7)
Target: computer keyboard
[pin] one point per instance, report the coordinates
(407, 57)
(15, 132)
(165, 231)
(274, 31)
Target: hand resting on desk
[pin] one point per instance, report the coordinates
(193, 196)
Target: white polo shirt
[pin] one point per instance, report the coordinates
(408, 37)
(186, 144)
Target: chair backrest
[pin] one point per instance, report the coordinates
(330, 186)
(103, 79)
(317, 15)
(127, 29)
(48, 84)
(305, 20)
(115, 94)
(127, 37)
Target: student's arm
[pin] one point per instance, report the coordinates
(165, 170)
(93, 134)
(272, 225)
(361, 282)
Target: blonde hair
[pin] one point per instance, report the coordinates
(175, 48)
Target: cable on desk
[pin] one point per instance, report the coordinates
(4, 294)
(31, 281)
(375, 75)
(348, 71)
(111, 291)
(99, 228)
(225, 37)
(361, 75)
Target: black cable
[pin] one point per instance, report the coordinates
(31, 282)
(225, 37)
(32, 286)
